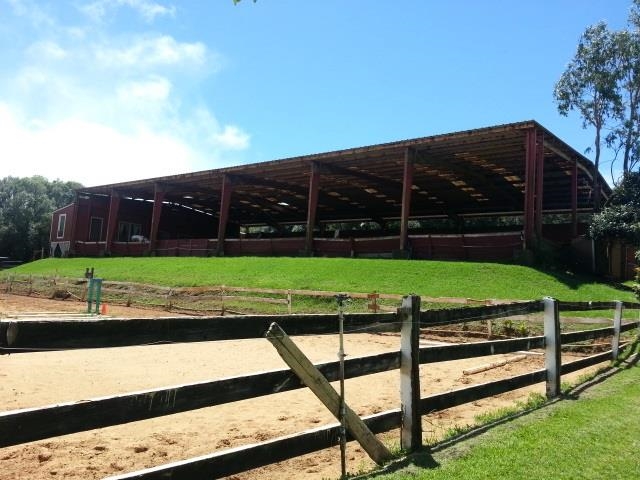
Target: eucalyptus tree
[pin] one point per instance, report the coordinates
(626, 134)
(589, 86)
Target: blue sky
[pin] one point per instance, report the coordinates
(103, 91)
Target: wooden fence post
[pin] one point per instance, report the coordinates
(617, 322)
(411, 428)
(167, 303)
(129, 290)
(552, 358)
(289, 302)
(85, 290)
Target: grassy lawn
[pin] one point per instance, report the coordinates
(592, 434)
(426, 278)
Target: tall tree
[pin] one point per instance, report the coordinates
(626, 134)
(589, 86)
(26, 205)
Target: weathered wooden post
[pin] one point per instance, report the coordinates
(129, 290)
(552, 358)
(411, 429)
(167, 301)
(85, 290)
(617, 323)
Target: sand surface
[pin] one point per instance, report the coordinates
(38, 379)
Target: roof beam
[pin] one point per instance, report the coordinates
(495, 184)
(367, 177)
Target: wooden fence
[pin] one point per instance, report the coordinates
(221, 299)
(27, 425)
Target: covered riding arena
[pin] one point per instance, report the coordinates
(483, 194)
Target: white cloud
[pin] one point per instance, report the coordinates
(91, 153)
(32, 12)
(148, 10)
(88, 105)
(156, 89)
(46, 50)
(147, 53)
(232, 138)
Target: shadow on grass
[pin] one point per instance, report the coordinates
(420, 460)
(629, 358)
(575, 280)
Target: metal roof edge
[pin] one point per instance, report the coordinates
(586, 164)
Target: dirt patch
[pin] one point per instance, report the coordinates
(37, 379)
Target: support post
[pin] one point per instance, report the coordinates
(320, 386)
(617, 323)
(539, 184)
(407, 183)
(529, 186)
(158, 198)
(411, 428)
(225, 202)
(552, 359)
(574, 199)
(112, 223)
(314, 189)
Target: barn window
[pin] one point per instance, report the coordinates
(95, 229)
(126, 230)
(62, 221)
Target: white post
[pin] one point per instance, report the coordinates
(552, 358)
(617, 323)
(411, 429)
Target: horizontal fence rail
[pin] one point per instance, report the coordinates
(446, 353)
(240, 459)
(430, 318)
(37, 335)
(586, 306)
(453, 398)
(31, 424)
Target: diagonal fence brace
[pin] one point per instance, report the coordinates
(320, 386)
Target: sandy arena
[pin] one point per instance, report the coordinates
(38, 379)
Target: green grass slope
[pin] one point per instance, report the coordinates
(426, 278)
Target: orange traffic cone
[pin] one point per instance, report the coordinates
(103, 310)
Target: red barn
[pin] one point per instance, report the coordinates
(484, 194)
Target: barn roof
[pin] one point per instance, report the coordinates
(472, 172)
